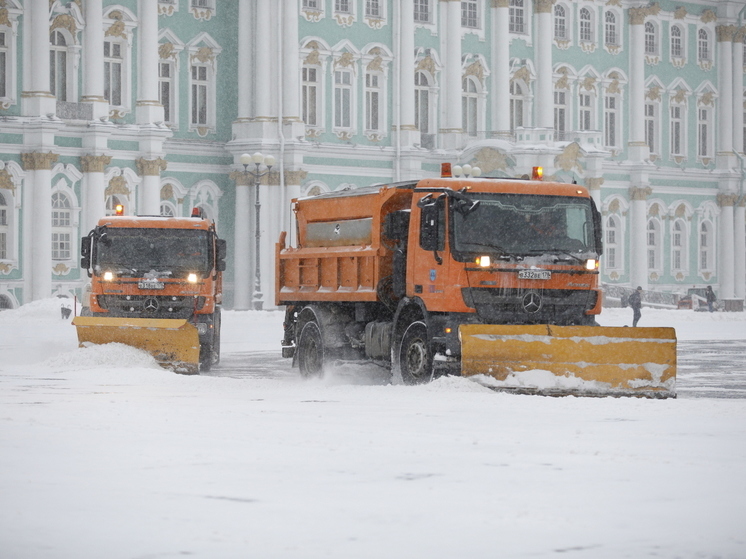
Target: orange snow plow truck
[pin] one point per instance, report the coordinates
(495, 279)
(156, 284)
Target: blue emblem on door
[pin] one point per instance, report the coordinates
(432, 275)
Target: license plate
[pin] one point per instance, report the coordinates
(535, 274)
(150, 285)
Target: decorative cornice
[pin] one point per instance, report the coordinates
(94, 163)
(151, 167)
(241, 178)
(637, 15)
(500, 3)
(594, 183)
(640, 192)
(38, 161)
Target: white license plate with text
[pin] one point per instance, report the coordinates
(535, 274)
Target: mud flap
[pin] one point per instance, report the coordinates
(564, 360)
(174, 343)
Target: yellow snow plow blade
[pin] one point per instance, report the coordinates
(564, 360)
(172, 342)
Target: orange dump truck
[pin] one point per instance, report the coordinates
(466, 276)
(156, 284)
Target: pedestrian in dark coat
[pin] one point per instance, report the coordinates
(711, 298)
(635, 301)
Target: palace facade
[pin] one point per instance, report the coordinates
(151, 103)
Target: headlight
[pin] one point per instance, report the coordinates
(108, 276)
(192, 278)
(201, 328)
(483, 261)
(591, 264)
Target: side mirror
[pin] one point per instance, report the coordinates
(85, 253)
(222, 250)
(430, 227)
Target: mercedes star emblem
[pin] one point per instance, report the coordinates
(151, 304)
(531, 302)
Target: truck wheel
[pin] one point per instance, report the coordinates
(310, 350)
(205, 357)
(415, 359)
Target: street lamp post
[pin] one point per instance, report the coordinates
(257, 159)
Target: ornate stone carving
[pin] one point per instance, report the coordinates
(725, 33)
(6, 181)
(204, 55)
(594, 183)
(588, 83)
(564, 81)
(4, 19)
(522, 74)
(151, 167)
(475, 69)
(640, 192)
(569, 159)
(654, 93)
(427, 64)
(376, 65)
(314, 57)
(167, 191)
(708, 16)
(500, 3)
(637, 15)
(201, 14)
(38, 161)
(117, 185)
(680, 13)
(614, 87)
(166, 51)
(65, 21)
(490, 159)
(347, 59)
(60, 269)
(726, 199)
(707, 98)
(679, 96)
(543, 6)
(94, 163)
(614, 3)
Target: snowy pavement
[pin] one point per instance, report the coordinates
(104, 454)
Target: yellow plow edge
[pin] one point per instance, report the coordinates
(174, 343)
(585, 360)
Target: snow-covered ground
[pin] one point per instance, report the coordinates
(105, 455)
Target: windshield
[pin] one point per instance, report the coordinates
(135, 252)
(521, 224)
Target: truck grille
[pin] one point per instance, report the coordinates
(148, 306)
(526, 306)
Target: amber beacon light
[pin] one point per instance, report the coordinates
(537, 173)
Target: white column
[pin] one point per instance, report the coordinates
(726, 246)
(638, 273)
(93, 77)
(501, 73)
(262, 60)
(150, 188)
(291, 62)
(544, 99)
(740, 249)
(38, 100)
(94, 190)
(638, 148)
(242, 277)
(409, 133)
(244, 59)
(38, 211)
(738, 99)
(725, 85)
(451, 132)
(149, 109)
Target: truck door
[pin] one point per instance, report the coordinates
(429, 270)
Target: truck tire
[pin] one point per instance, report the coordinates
(415, 355)
(310, 350)
(209, 353)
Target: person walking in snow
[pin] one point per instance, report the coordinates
(711, 298)
(635, 301)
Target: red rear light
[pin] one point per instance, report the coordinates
(197, 212)
(445, 170)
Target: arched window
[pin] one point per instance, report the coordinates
(516, 105)
(58, 66)
(469, 105)
(114, 72)
(678, 128)
(612, 248)
(706, 247)
(343, 106)
(611, 33)
(612, 104)
(560, 23)
(678, 246)
(651, 126)
(168, 209)
(651, 40)
(586, 25)
(311, 84)
(373, 98)
(517, 17)
(3, 228)
(585, 110)
(560, 113)
(5, 61)
(654, 260)
(703, 45)
(677, 50)
(422, 103)
(61, 227)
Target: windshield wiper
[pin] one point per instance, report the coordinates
(555, 252)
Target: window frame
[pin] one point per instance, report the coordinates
(586, 27)
(170, 109)
(611, 28)
(612, 130)
(561, 109)
(9, 52)
(471, 17)
(613, 249)
(61, 66)
(706, 247)
(518, 100)
(344, 102)
(704, 46)
(652, 126)
(560, 23)
(5, 210)
(652, 44)
(470, 106)
(679, 122)
(517, 17)
(418, 6)
(586, 123)
(307, 86)
(653, 250)
(680, 58)
(62, 227)
(680, 250)
(374, 93)
(705, 145)
(203, 52)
